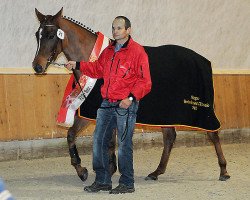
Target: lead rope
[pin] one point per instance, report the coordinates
(62, 65)
(124, 134)
(126, 128)
(57, 65)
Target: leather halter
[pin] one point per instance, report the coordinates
(53, 52)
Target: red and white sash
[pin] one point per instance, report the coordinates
(73, 98)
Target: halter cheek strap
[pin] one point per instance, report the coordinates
(60, 34)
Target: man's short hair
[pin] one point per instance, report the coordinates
(127, 21)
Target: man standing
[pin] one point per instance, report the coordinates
(124, 67)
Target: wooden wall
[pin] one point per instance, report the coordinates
(29, 104)
(232, 100)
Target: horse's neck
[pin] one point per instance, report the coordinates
(78, 43)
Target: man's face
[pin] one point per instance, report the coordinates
(120, 34)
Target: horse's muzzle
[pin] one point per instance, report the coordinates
(38, 69)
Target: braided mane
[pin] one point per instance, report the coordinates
(79, 24)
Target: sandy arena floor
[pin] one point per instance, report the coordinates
(192, 174)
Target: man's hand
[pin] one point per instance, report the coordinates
(92, 58)
(125, 103)
(71, 65)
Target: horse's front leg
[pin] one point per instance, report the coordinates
(214, 137)
(169, 136)
(79, 123)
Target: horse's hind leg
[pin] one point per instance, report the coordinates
(169, 136)
(112, 156)
(214, 137)
(79, 123)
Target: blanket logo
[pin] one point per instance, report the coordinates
(195, 102)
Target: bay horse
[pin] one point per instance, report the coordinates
(77, 45)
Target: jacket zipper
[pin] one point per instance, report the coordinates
(110, 74)
(141, 72)
(117, 66)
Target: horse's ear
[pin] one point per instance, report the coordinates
(59, 14)
(39, 15)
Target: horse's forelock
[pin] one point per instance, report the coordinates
(49, 20)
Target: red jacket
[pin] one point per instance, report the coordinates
(125, 71)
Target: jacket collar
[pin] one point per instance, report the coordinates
(125, 45)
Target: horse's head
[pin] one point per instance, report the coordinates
(49, 45)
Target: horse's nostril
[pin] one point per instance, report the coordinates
(38, 69)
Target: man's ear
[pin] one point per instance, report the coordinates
(129, 30)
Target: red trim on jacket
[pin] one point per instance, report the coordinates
(125, 71)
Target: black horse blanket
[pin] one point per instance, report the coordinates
(182, 91)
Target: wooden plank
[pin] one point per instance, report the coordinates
(56, 92)
(28, 110)
(3, 112)
(248, 100)
(242, 100)
(13, 106)
(245, 88)
(233, 102)
(41, 108)
(219, 94)
(236, 95)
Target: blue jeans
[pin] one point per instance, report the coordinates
(108, 119)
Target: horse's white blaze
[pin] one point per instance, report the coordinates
(39, 40)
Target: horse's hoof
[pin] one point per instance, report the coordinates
(151, 178)
(224, 177)
(84, 175)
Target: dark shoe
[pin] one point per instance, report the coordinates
(121, 188)
(96, 187)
